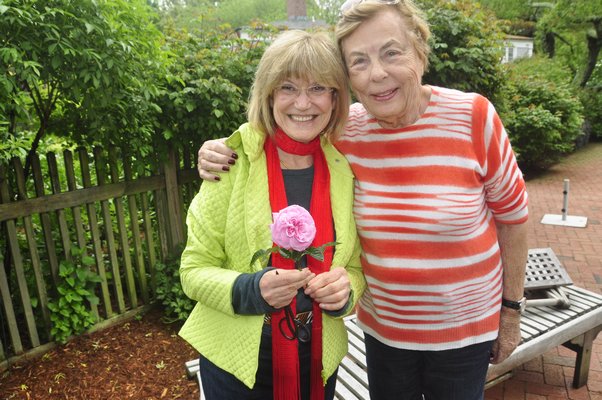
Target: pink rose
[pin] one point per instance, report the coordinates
(293, 228)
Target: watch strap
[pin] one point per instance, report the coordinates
(515, 305)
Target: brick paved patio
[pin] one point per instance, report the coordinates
(580, 250)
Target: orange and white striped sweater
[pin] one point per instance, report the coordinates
(427, 197)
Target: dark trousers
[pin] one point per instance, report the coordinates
(220, 385)
(396, 374)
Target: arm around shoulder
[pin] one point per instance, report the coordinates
(214, 156)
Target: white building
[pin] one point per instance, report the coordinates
(517, 47)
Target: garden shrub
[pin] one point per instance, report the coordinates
(466, 48)
(591, 98)
(543, 121)
(170, 295)
(541, 67)
(208, 85)
(69, 313)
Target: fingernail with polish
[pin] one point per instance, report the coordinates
(217, 178)
(234, 156)
(225, 168)
(231, 162)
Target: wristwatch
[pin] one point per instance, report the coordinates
(515, 305)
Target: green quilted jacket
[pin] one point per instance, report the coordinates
(227, 222)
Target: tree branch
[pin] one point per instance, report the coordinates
(594, 44)
(44, 110)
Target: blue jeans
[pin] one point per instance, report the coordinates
(397, 374)
(220, 385)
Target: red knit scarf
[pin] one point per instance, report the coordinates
(285, 356)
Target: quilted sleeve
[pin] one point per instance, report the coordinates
(348, 251)
(204, 270)
(356, 277)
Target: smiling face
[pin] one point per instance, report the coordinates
(302, 109)
(384, 68)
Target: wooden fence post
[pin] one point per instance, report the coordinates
(93, 213)
(175, 227)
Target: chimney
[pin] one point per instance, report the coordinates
(296, 9)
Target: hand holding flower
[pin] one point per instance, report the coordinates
(278, 290)
(293, 230)
(330, 289)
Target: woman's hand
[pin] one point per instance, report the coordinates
(280, 286)
(214, 156)
(330, 289)
(508, 337)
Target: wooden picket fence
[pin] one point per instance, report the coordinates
(127, 220)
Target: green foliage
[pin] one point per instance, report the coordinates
(592, 102)
(543, 121)
(541, 67)
(188, 16)
(67, 66)
(536, 136)
(327, 10)
(510, 9)
(12, 147)
(100, 71)
(207, 87)
(176, 305)
(591, 97)
(68, 312)
(201, 16)
(466, 49)
(520, 27)
(239, 13)
(566, 29)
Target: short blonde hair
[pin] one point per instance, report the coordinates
(414, 19)
(297, 54)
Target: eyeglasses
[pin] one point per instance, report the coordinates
(314, 92)
(349, 4)
(294, 328)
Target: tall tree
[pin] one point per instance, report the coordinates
(327, 10)
(200, 15)
(81, 69)
(509, 9)
(578, 25)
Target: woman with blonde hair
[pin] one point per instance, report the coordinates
(272, 331)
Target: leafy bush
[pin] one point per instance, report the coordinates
(541, 67)
(11, 146)
(207, 86)
(466, 48)
(68, 313)
(591, 98)
(543, 121)
(176, 305)
(66, 66)
(520, 27)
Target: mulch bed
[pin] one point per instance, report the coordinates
(139, 359)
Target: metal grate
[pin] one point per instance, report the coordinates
(544, 270)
